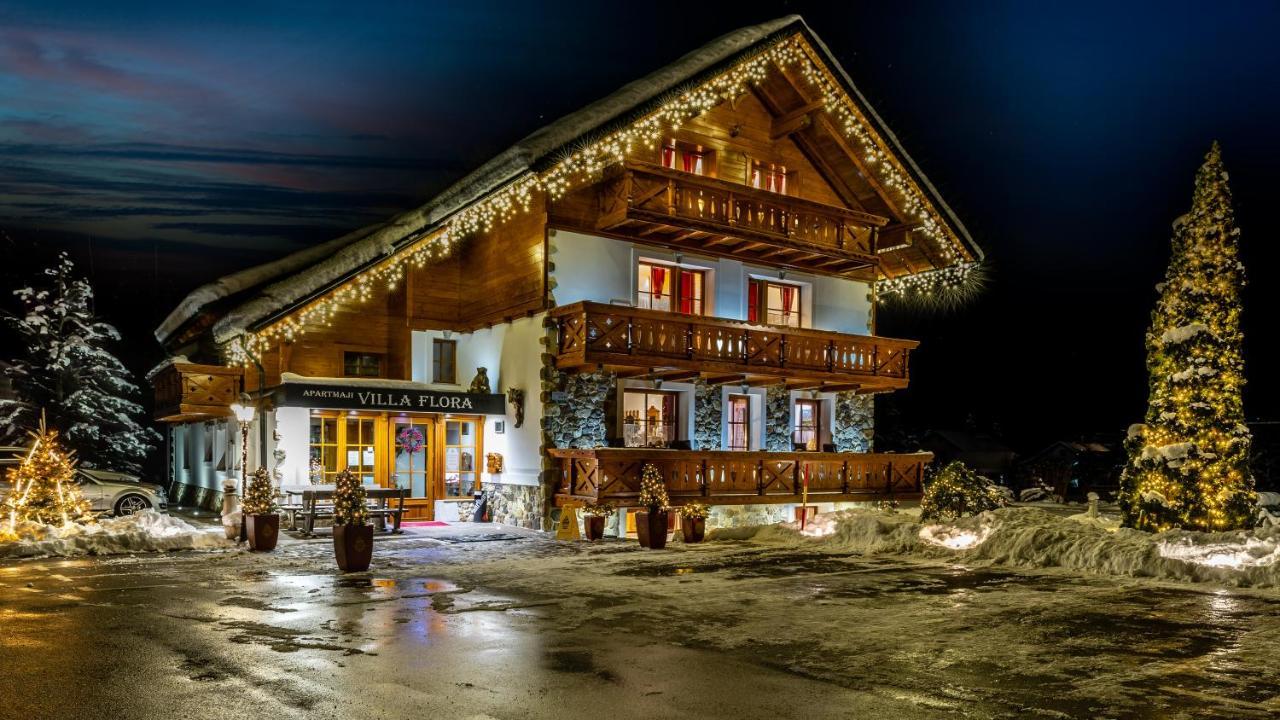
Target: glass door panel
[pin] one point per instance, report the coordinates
(410, 451)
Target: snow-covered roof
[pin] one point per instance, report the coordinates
(297, 278)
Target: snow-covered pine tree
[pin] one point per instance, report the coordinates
(1189, 462)
(64, 366)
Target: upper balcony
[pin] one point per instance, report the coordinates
(188, 391)
(632, 341)
(652, 204)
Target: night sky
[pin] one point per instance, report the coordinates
(164, 146)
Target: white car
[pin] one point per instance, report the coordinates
(108, 493)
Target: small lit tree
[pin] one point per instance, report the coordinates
(349, 500)
(653, 492)
(259, 497)
(956, 492)
(43, 484)
(1188, 463)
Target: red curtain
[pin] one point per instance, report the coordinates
(686, 293)
(669, 157)
(788, 294)
(753, 301)
(658, 277)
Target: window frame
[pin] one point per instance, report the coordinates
(673, 154)
(437, 344)
(770, 173)
(698, 304)
(730, 423)
(758, 302)
(360, 356)
(673, 423)
(816, 428)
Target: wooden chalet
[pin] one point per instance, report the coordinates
(684, 273)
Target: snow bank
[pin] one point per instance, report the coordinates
(146, 531)
(1033, 538)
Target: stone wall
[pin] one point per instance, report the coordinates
(728, 516)
(708, 413)
(777, 419)
(578, 421)
(854, 422)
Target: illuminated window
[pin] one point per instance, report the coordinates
(768, 176)
(324, 449)
(774, 303)
(739, 422)
(807, 424)
(649, 418)
(687, 157)
(411, 439)
(670, 288)
(460, 451)
(361, 364)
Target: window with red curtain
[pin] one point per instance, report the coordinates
(774, 303)
(670, 288)
(768, 176)
(678, 155)
(739, 422)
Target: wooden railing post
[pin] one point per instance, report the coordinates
(888, 478)
(706, 478)
(671, 196)
(844, 477)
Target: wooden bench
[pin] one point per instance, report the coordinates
(317, 502)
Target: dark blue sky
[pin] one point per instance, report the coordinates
(192, 140)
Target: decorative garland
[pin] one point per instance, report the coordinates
(584, 165)
(943, 287)
(410, 440)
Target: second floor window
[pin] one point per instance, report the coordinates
(687, 157)
(361, 364)
(774, 303)
(649, 418)
(807, 432)
(739, 422)
(670, 288)
(444, 361)
(768, 176)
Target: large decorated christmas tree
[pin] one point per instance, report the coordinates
(1188, 463)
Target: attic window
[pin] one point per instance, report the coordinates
(687, 157)
(768, 176)
(361, 364)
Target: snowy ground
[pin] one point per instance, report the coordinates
(147, 531)
(775, 626)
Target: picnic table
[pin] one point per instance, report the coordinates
(308, 502)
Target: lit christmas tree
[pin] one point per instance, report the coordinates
(653, 492)
(43, 484)
(259, 496)
(349, 500)
(1188, 464)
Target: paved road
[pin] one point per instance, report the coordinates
(529, 628)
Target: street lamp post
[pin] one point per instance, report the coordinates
(243, 409)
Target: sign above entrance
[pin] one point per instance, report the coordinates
(372, 397)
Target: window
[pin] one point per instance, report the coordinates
(361, 364)
(444, 361)
(768, 176)
(670, 288)
(649, 418)
(359, 450)
(739, 422)
(324, 449)
(460, 458)
(808, 425)
(774, 303)
(687, 157)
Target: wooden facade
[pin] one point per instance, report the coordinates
(188, 391)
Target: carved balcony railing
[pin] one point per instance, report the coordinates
(730, 477)
(593, 334)
(710, 215)
(187, 391)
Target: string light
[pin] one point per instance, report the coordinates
(585, 163)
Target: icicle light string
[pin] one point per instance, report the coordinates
(584, 165)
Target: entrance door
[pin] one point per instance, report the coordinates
(412, 455)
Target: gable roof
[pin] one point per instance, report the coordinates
(275, 288)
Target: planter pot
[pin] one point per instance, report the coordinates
(263, 531)
(353, 547)
(651, 529)
(693, 529)
(594, 525)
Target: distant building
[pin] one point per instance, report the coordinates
(980, 451)
(1074, 469)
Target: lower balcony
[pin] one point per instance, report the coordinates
(632, 341)
(736, 478)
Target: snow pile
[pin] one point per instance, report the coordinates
(1033, 538)
(1182, 333)
(146, 531)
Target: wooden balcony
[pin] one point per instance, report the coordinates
(624, 339)
(736, 478)
(187, 391)
(652, 204)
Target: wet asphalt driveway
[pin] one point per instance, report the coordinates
(529, 628)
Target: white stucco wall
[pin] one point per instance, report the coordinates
(604, 270)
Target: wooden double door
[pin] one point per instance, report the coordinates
(434, 457)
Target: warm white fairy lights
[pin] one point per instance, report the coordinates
(942, 287)
(584, 164)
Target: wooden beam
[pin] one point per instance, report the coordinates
(838, 137)
(793, 121)
(724, 379)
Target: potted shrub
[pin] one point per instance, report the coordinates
(352, 533)
(651, 522)
(593, 517)
(261, 521)
(693, 522)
